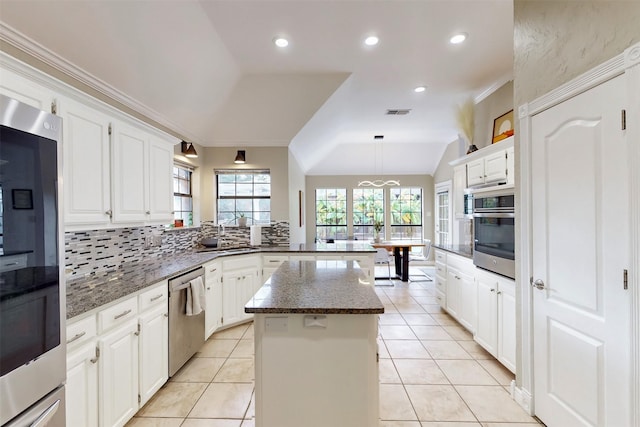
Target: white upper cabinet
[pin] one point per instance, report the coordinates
(130, 176)
(87, 176)
(117, 169)
(492, 168)
(160, 181)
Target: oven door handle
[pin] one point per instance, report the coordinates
(495, 215)
(47, 415)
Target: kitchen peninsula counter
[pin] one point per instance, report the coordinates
(94, 291)
(316, 327)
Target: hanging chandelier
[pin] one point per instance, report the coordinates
(378, 182)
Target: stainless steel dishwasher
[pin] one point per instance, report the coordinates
(186, 333)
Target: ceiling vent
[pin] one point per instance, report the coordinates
(400, 112)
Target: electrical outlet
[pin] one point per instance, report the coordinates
(148, 241)
(157, 240)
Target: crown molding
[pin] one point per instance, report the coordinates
(494, 87)
(34, 49)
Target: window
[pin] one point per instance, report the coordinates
(331, 213)
(443, 214)
(406, 213)
(368, 207)
(243, 193)
(182, 196)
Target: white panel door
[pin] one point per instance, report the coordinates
(82, 387)
(580, 247)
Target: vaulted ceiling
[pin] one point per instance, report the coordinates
(208, 70)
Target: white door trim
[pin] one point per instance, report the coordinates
(627, 63)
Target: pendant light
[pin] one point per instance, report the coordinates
(240, 157)
(378, 182)
(188, 150)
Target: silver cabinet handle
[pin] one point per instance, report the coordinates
(77, 337)
(493, 290)
(124, 313)
(166, 315)
(95, 359)
(47, 415)
(109, 212)
(156, 297)
(148, 212)
(498, 292)
(209, 288)
(10, 263)
(457, 277)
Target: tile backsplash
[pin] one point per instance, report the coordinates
(96, 251)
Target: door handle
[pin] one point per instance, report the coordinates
(47, 415)
(538, 284)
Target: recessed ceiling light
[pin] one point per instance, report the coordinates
(281, 42)
(420, 89)
(371, 41)
(458, 38)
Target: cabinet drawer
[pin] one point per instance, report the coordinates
(13, 262)
(237, 262)
(442, 299)
(118, 314)
(441, 257)
(441, 269)
(211, 269)
(441, 284)
(153, 297)
(274, 261)
(81, 331)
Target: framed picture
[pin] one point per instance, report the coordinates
(22, 199)
(301, 207)
(503, 127)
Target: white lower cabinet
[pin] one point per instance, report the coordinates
(213, 295)
(496, 327)
(117, 359)
(240, 280)
(118, 379)
(82, 385)
(461, 299)
(154, 362)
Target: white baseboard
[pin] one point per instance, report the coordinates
(522, 398)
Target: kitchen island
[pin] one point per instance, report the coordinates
(316, 359)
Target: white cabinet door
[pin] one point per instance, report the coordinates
(213, 293)
(82, 386)
(486, 333)
(129, 163)
(475, 172)
(453, 292)
(118, 379)
(468, 302)
(230, 285)
(87, 175)
(459, 185)
(154, 351)
(495, 167)
(160, 181)
(507, 324)
(24, 90)
(511, 168)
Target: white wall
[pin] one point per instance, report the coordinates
(351, 181)
(275, 159)
(297, 182)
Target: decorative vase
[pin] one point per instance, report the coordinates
(242, 221)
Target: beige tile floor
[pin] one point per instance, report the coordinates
(432, 374)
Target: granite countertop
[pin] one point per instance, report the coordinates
(316, 287)
(91, 292)
(462, 250)
(339, 246)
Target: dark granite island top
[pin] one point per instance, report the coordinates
(316, 287)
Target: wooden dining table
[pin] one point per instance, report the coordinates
(402, 261)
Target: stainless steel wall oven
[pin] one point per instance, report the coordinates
(32, 294)
(494, 232)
